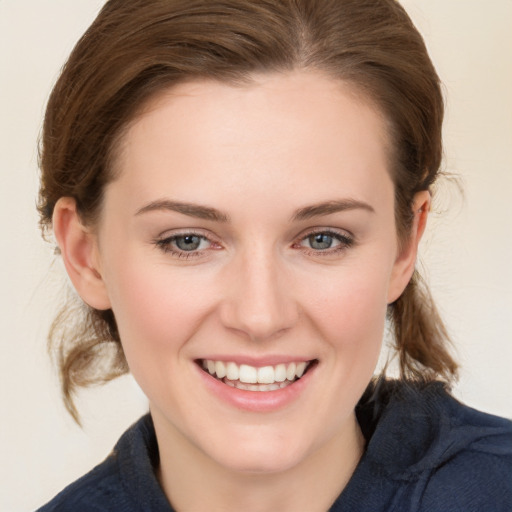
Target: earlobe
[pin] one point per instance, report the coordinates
(78, 247)
(406, 259)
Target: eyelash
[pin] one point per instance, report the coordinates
(345, 242)
(165, 245)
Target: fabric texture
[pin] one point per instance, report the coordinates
(426, 452)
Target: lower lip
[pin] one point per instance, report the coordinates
(257, 401)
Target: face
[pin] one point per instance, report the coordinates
(248, 250)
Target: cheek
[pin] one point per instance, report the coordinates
(352, 311)
(156, 312)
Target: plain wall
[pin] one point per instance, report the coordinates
(467, 251)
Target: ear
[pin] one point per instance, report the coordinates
(79, 250)
(405, 262)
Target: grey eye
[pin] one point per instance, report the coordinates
(188, 242)
(320, 241)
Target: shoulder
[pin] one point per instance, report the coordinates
(439, 453)
(474, 469)
(96, 491)
(124, 482)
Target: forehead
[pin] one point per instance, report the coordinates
(297, 132)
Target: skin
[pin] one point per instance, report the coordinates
(256, 287)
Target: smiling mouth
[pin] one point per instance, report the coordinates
(252, 378)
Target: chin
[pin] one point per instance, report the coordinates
(261, 454)
(262, 463)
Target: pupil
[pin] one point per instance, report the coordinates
(320, 241)
(188, 242)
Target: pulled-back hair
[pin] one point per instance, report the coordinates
(138, 48)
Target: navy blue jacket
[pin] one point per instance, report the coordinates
(425, 452)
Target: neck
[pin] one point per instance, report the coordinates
(193, 481)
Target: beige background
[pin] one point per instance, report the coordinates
(468, 251)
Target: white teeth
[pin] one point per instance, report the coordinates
(280, 373)
(248, 374)
(220, 369)
(301, 367)
(231, 371)
(268, 387)
(256, 387)
(266, 375)
(290, 371)
(265, 378)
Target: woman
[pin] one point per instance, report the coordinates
(238, 190)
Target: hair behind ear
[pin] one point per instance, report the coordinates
(87, 352)
(420, 335)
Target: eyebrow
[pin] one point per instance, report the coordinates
(192, 210)
(329, 207)
(209, 213)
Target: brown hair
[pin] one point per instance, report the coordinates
(136, 48)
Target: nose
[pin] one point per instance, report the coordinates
(259, 300)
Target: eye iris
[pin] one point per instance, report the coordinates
(320, 241)
(188, 242)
